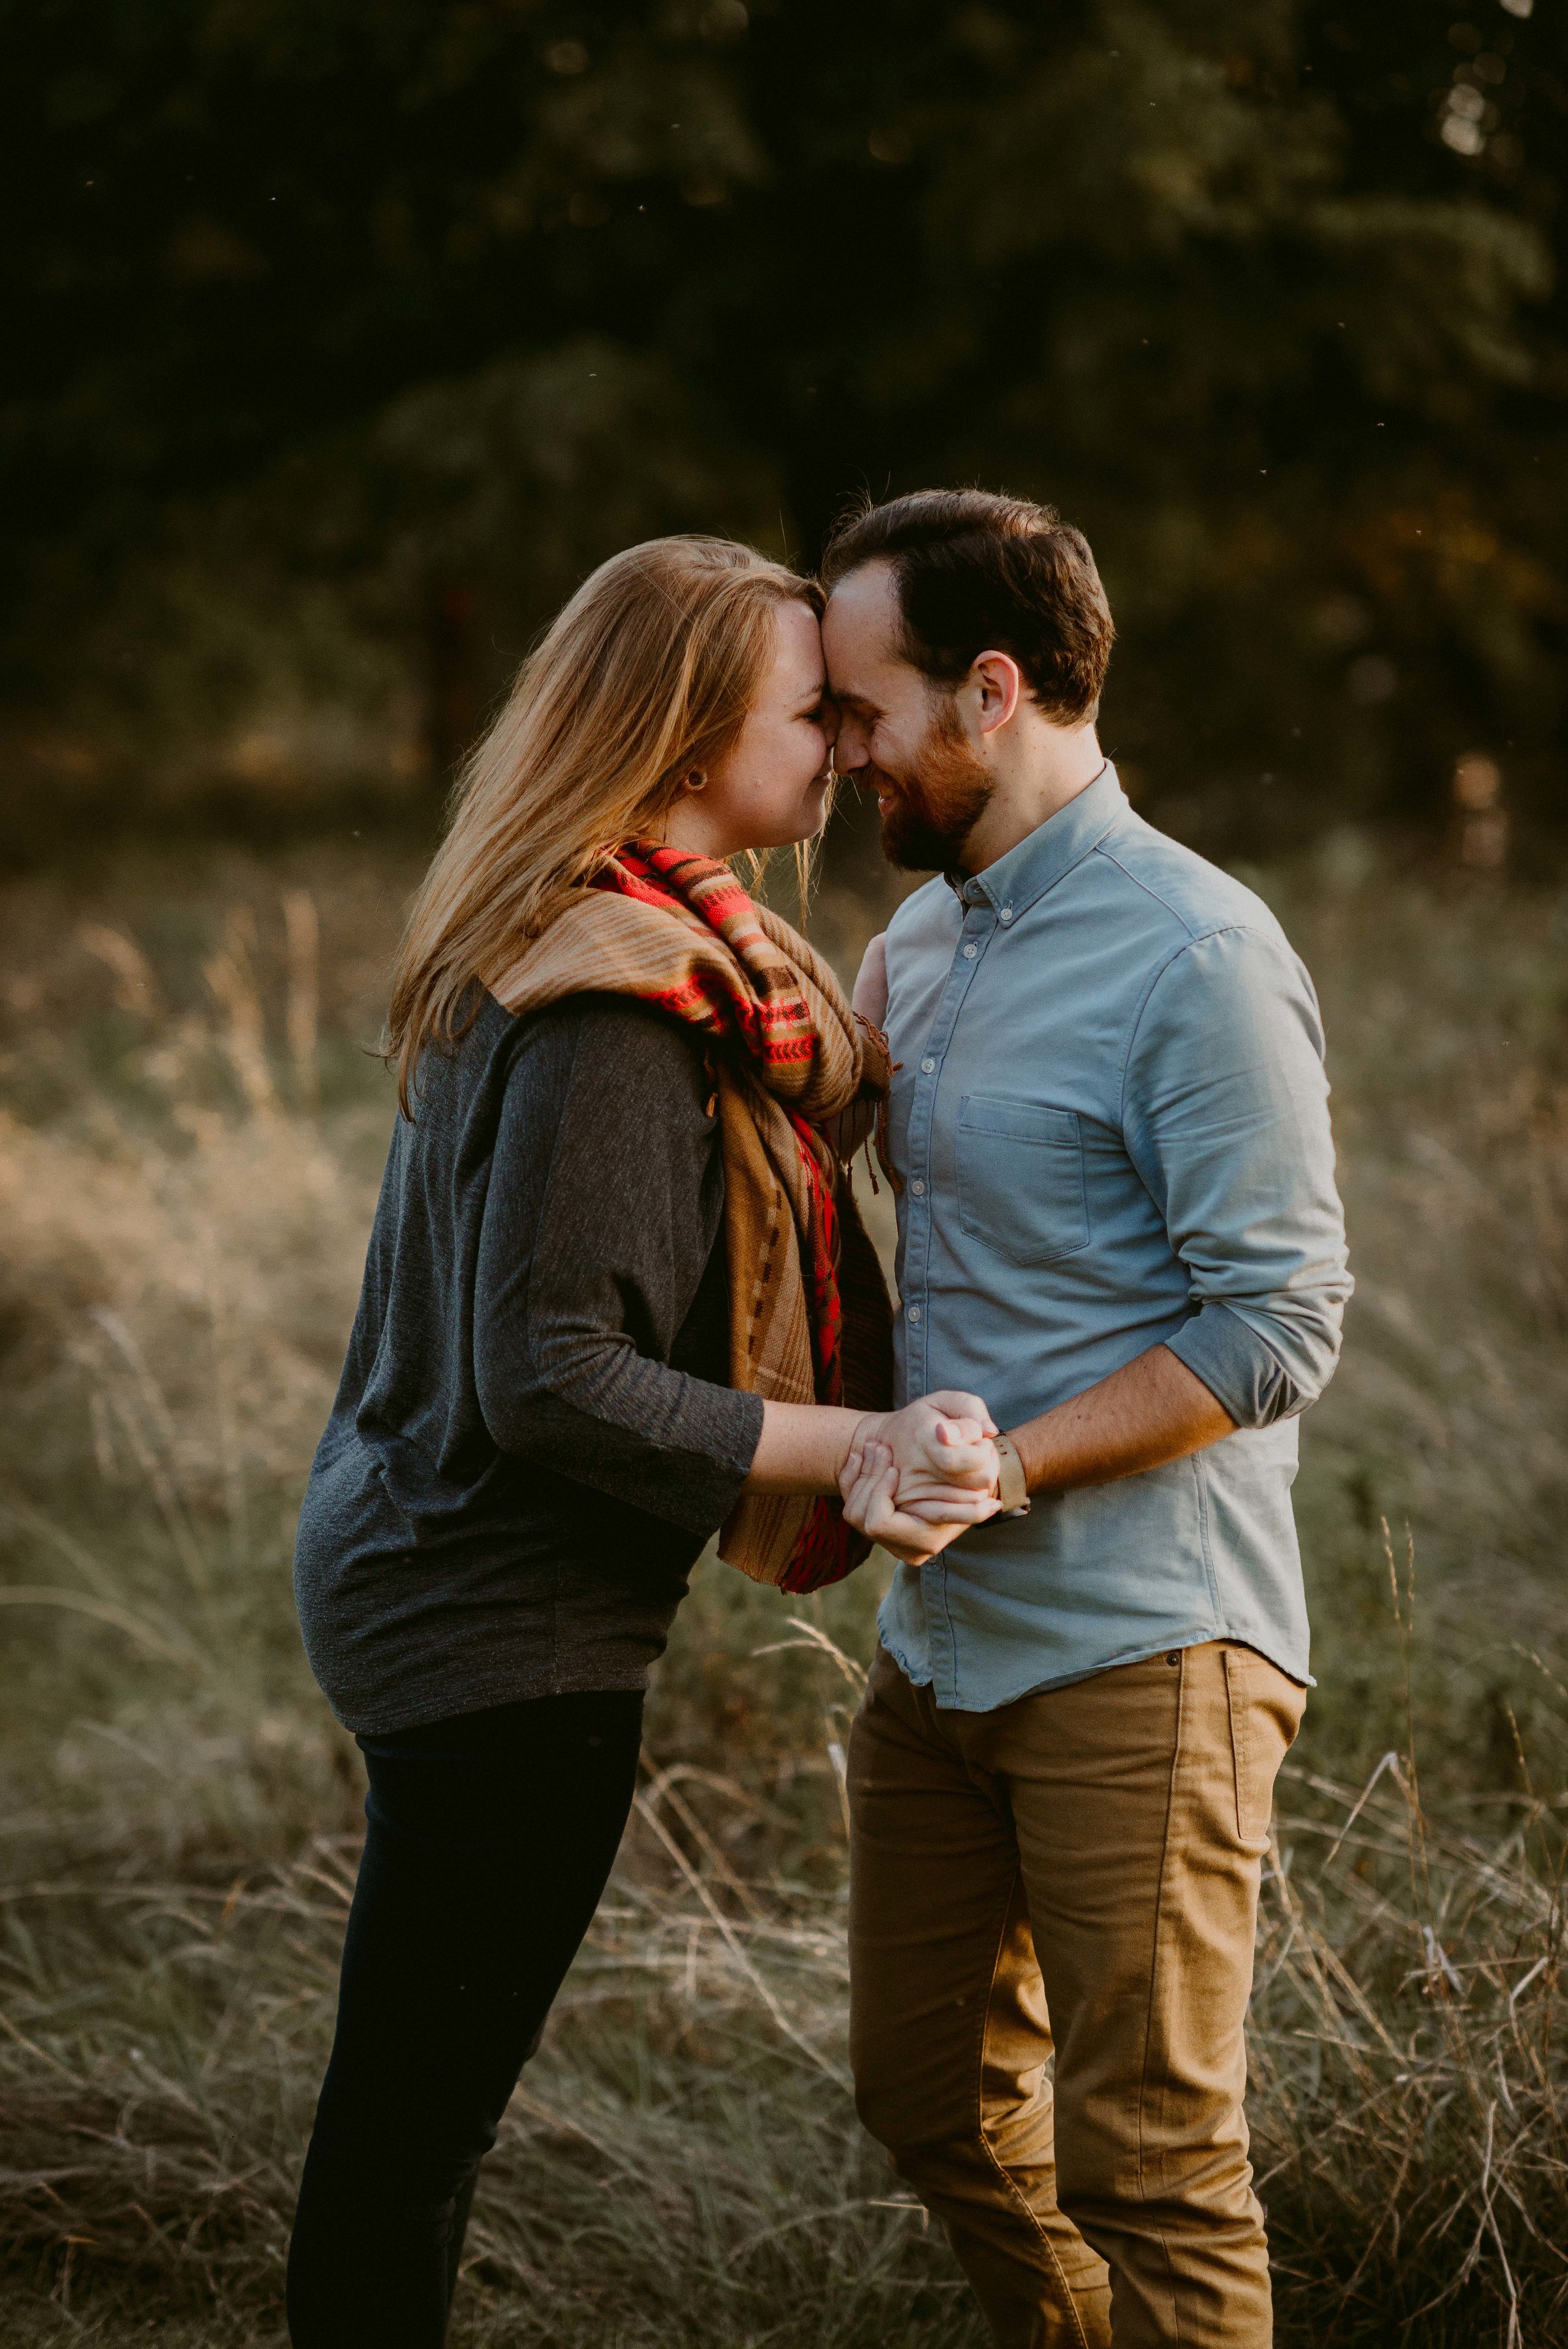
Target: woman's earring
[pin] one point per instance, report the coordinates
(697, 780)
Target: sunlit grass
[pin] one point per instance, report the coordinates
(187, 1168)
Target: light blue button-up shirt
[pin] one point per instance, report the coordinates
(1109, 1117)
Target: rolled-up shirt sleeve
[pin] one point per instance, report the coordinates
(603, 1212)
(1225, 1114)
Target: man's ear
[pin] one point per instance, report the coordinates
(998, 683)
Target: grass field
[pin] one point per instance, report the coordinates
(190, 1139)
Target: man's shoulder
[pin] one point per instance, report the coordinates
(1198, 899)
(928, 913)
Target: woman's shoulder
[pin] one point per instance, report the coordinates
(619, 1040)
(617, 1084)
(608, 1022)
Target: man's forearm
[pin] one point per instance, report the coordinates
(1153, 1410)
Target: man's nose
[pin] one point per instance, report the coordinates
(850, 753)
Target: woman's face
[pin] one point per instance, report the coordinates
(771, 789)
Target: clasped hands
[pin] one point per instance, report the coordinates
(915, 1479)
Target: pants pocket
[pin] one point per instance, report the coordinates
(1265, 1711)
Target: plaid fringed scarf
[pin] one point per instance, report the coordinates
(809, 1314)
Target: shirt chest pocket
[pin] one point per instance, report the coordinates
(1021, 1188)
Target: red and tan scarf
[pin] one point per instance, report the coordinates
(809, 1315)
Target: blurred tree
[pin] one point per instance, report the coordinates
(345, 335)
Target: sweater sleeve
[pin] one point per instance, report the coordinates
(1226, 1115)
(604, 1204)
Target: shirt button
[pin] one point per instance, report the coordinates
(918, 1189)
(1005, 914)
(970, 951)
(927, 1066)
(914, 1312)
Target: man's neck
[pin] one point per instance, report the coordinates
(1035, 780)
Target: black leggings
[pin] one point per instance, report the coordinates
(489, 1840)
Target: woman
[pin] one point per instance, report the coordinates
(615, 1292)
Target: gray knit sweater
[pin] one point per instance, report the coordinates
(533, 1439)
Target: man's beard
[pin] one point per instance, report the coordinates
(937, 806)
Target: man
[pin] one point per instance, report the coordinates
(1117, 1223)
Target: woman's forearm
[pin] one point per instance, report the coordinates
(803, 1447)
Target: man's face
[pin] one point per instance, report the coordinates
(898, 735)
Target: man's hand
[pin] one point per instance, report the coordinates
(870, 1486)
(870, 996)
(944, 1440)
(940, 1443)
(917, 1479)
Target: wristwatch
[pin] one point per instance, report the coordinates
(1012, 1489)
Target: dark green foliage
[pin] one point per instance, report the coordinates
(344, 337)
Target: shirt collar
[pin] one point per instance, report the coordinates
(1038, 860)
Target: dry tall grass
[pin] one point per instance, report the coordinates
(186, 1173)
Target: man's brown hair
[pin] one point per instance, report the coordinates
(979, 573)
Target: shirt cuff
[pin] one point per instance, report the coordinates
(1235, 1365)
(735, 1432)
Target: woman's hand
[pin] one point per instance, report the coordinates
(870, 996)
(917, 1477)
(870, 1487)
(937, 1443)
(942, 1443)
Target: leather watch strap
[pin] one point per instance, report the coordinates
(1012, 1489)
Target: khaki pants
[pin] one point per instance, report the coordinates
(1076, 1871)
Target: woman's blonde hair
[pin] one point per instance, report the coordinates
(644, 677)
